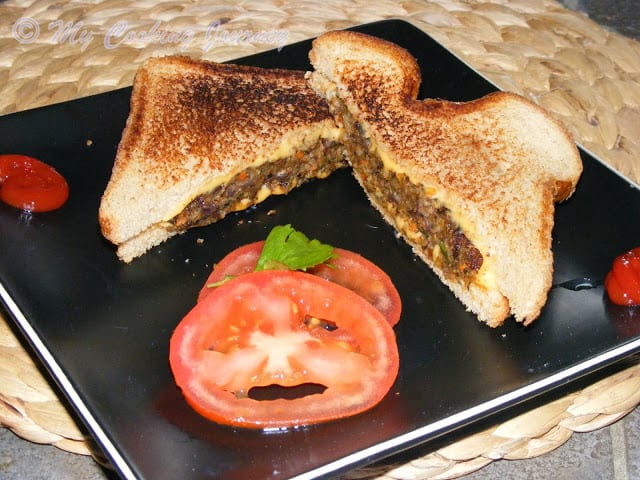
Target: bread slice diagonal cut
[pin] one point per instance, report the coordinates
(470, 186)
(204, 139)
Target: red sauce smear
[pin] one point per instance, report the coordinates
(623, 281)
(31, 185)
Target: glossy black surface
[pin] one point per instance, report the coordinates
(107, 324)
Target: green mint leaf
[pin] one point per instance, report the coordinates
(286, 248)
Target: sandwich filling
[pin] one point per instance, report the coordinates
(203, 140)
(424, 221)
(256, 183)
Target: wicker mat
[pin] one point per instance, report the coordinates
(588, 77)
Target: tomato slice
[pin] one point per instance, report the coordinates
(31, 185)
(283, 330)
(348, 269)
(238, 262)
(364, 277)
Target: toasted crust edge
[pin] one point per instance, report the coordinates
(114, 226)
(492, 307)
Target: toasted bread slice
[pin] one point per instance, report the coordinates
(205, 139)
(470, 186)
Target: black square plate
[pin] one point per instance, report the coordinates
(102, 327)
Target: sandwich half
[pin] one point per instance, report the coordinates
(470, 186)
(205, 139)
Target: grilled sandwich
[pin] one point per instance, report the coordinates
(205, 139)
(470, 186)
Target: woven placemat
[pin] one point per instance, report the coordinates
(31, 406)
(588, 77)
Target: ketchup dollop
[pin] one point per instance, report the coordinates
(623, 281)
(31, 185)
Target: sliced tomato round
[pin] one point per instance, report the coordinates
(245, 354)
(348, 269)
(238, 262)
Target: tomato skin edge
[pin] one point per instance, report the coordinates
(244, 258)
(317, 408)
(250, 252)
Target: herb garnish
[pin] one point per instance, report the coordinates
(287, 248)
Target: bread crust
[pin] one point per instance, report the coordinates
(497, 164)
(192, 123)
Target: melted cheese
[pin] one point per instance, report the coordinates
(485, 277)
(289, 146)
